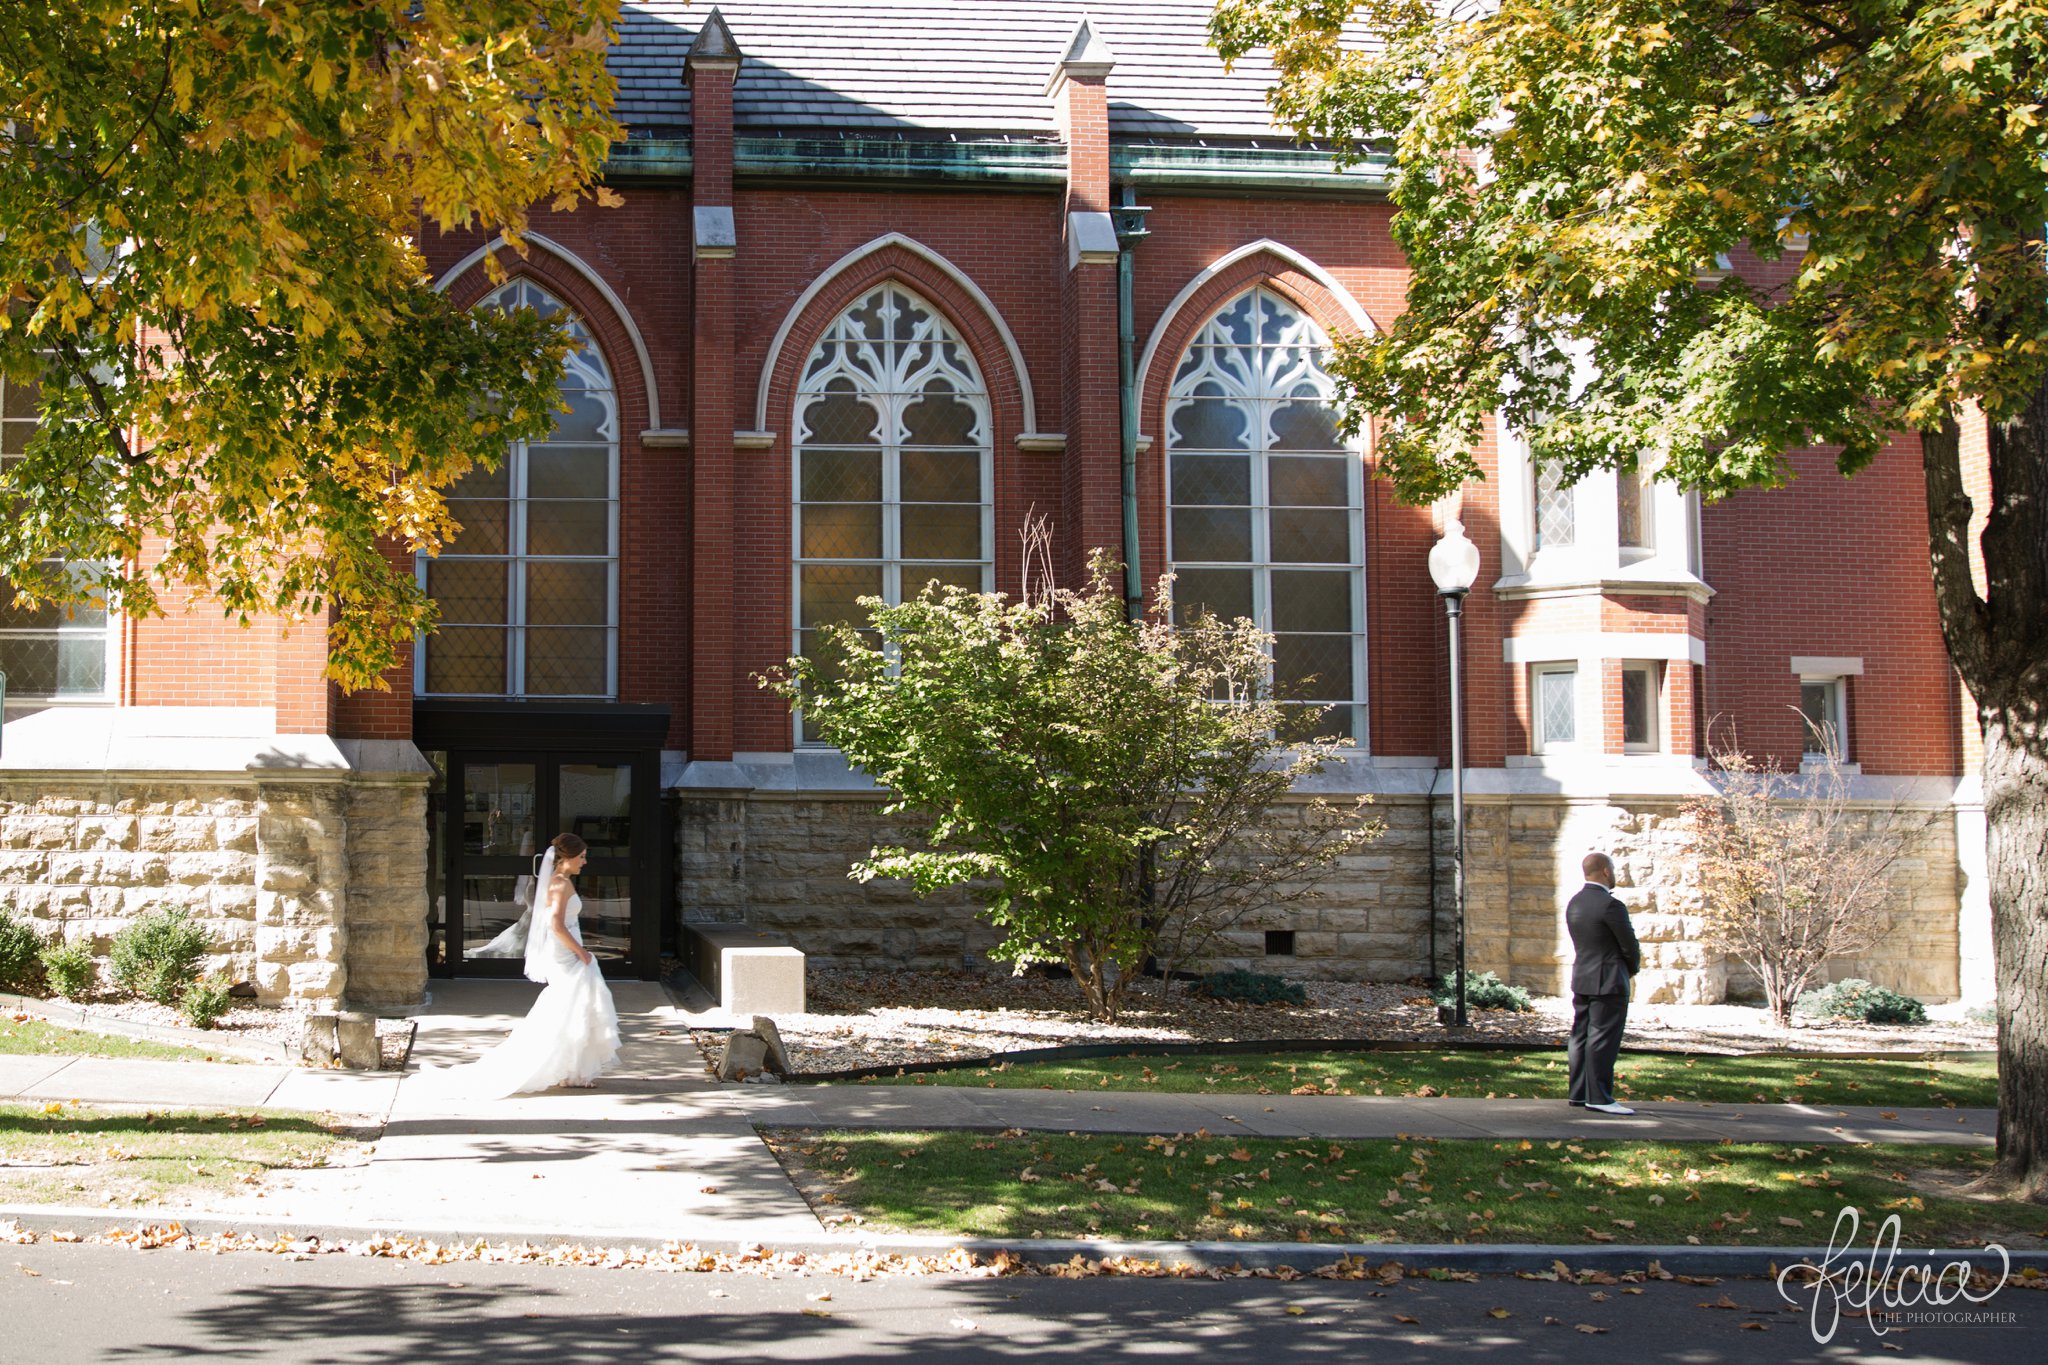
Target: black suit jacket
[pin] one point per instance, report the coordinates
(1604, 945)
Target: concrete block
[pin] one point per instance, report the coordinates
(357, 1046)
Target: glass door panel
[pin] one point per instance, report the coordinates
(594, 801)
(492, 814)
(607, 914)
(498, 809)
(495, 914)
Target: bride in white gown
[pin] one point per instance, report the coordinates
(571, 1035)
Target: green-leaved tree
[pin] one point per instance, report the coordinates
(209, 213)
(1566, 173)
(1121, 786)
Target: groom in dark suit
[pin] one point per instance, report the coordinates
(1606, 956)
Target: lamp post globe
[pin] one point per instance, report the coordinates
(1454, 568)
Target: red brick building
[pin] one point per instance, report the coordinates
(857, 321)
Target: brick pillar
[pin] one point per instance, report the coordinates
(304, 699)
(710, 69)
(1091, 507)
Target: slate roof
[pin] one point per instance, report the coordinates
(925, 67)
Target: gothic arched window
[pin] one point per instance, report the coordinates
(528, 589)
(893, 463)
(1265, 502)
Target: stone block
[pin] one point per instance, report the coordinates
(24, 865)
(771, 1038)
(188, 833)
(358, 1049)
(234, 900)
(746, 1054)
(36, 831)
(106, 832)
(315, 980)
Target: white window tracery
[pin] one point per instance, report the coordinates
(1265, 502)
(528, 589)
(893, 464)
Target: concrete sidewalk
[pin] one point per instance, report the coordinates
(660, 1152)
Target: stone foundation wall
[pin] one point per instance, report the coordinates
(780, 863)
(309, 889)
(1523, 861)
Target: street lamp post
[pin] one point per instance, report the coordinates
(1454, 566)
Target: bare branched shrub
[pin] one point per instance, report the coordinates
(1793, 872)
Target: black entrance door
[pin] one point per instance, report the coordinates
(494, 809)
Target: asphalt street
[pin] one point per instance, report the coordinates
(92, 1303)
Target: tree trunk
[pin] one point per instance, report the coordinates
(1999, 644)
(2016, 817)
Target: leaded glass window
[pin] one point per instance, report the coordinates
(894, 462)
(1264, 503)
(1557, 507)
(1554, 701)
(1633, 509)
(57, 651)
(528, 589)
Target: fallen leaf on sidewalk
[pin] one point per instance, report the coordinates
(1589, 1329)
(964, 1325)
(816, 1313)
(1498, 1313)
(1403, 1317)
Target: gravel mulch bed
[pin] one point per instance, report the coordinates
(864, 1018)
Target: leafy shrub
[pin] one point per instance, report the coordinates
(19, 950)
(204, 1002)
(158, 956)
(1483, 991)
(1254, 988)
(1981, 1014)
(1856, 998)
(71, 970)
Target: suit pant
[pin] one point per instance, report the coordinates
(1597, 1023)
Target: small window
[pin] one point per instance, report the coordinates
(1553, 694)
(1639, 690)
(1823, 703)
(1557, 507)
(1632, 509)
(1279, 943)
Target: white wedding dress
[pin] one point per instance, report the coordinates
(570, 1036)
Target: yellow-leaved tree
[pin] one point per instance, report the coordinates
(209, 224)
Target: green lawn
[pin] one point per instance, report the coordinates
(36, 1036)
(1967, 1081)
(65, 1154)
(1291, 1189)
